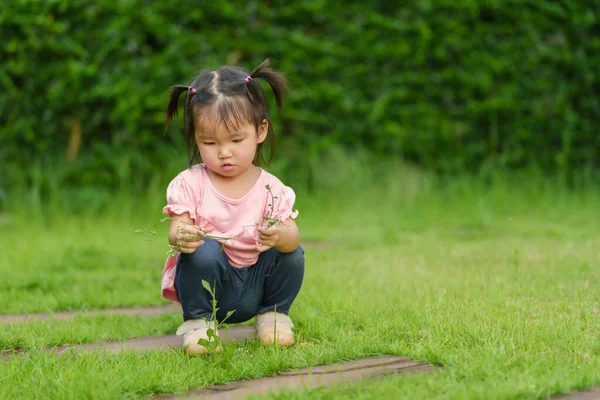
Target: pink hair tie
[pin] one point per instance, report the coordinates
(248, 79)
(191, 89)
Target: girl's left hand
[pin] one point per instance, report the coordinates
(268, 237)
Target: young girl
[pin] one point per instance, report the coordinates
(259, 270)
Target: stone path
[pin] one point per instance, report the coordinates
(310, 378)
(164, 343)
(592, 394)
(152, 311)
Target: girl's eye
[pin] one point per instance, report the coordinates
(208, 143)
(237, 140)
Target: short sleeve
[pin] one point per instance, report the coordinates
(181, 198)
(285, 204)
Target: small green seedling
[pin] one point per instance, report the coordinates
(213, 342)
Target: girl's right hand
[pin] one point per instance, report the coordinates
(188, 239)
(184, 234)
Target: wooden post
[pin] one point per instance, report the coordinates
(74, 140)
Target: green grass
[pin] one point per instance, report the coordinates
(496, 282)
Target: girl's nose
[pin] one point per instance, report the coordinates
(224, 152)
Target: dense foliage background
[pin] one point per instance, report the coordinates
(449, 85)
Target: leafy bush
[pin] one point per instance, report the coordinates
(450, 85)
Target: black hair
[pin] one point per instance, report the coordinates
(231, 96)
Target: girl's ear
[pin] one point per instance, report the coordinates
(263, 129)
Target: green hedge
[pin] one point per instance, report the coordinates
(450, 85)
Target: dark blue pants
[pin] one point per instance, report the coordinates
(272, 283)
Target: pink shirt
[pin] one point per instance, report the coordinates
(192, 191)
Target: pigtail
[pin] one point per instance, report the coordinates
(275, 79)
(172, 107)
(256, 96)
(188, 120)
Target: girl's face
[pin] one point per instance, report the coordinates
(229, 153)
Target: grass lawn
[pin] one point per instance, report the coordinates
(498, 284)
